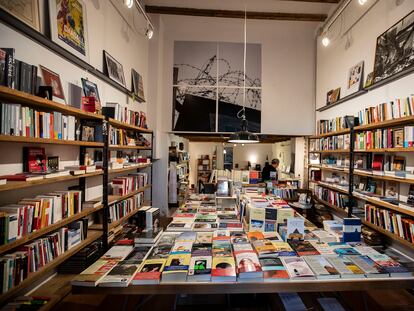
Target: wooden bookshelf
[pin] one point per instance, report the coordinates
(128, 126)
(32, 277)
(129, 147)
(388, 123)
(122, 219)
(330, 151)
(388, 233)
(399, 149)
(127, 169)
(340, 132)
(334, 207)
(390, 178)
(387, 205)
(36, 140)
(49, 229)
(112, 199)
(329, 168)
(12, 185)
(325, 185)
(19, 97)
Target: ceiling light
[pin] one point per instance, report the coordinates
(129, 3)
(325, 40)
(149, 33)
(362, 2)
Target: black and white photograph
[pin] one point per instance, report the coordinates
(90, 89)
(114, 69)
(137, 85)
(395, 49)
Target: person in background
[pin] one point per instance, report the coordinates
(269, 172)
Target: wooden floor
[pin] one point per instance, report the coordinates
(373, 300)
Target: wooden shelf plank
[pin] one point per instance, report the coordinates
(12, 185)
(390, 178)
(330, 151)
(341, 132)
(322, 184)
(399, 149)
(15, 96)
(388, 123)
(334, 207)
(112, 199)
(121, 220)
(129, 147)
(128, 126)
(28, 140)
(127, 169)
(384, 204)
(388, 234)
(92, 236)
(327, 168)
(87, 211)
(342, 100)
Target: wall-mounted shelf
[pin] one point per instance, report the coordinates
(334, 207)
(330, 151)
(36, 140)
(128, 126)
(387, 233)
(341, 132)
(129, 147)
(342, 100)
(128, 169)
(112, 199)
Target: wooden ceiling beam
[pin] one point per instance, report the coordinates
(302, 17)
(314, 1)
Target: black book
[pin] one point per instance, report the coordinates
(34, 80)
(2, 231)
(3, 67)
(109, 112)
(10, 70)
(85, 228)
(2, 263)
(17, 67)
(25, 77)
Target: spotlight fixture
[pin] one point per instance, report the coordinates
(362, 2)
(129, 3)
(325, 40)
(149, 33)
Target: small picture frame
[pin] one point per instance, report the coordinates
(114, 69)
(355, 78)
(369, 80)
(333, 96)
(52, 79)
(26, 11)
(137, 86)
(90, 89)
(52, 163)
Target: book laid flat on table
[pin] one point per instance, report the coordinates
(283, 249)
(323, 248)
(200, 269)
(147, 237)
(273, 269)
(370, 268)
(120, 276)
(199, 226)
(117, 252)
(179, 226)
(176, 268)
(248, 265)
(204, 238)
(222, 249)
(322, 268)
(264, 247)
(223, 269)
(182, 248)
(303, 248)
(390, 266)
(96, 272)
(149, 272)
(201, 250)
(347, 268)
(297, 268)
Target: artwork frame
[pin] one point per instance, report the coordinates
(114, 69)
(392, 56)
(52, 79)
(333, 96)
(19, 9)
(76, 11)
(369, 80)
(355, 78)
(137, 85)
(90, 89)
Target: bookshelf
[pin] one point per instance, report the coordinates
(356, 197)
(41, 104)
(179, 176)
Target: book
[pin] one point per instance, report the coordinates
(351, 230)
(264, 247)
(179, 226)
(201, 250)
(248, 265)
(297, 268)
(152, 218)
(283, 214)
(204, 238)
(147, 237)
(200, 269)
(371, 268)
(283, 249)
(149, 272)
(253, 236)
(117, 252)
(323, 248)
(34, 159)
(222, 248)
(390, 266)
(256, 218)
(273, 269)
(22, 177)
(181, 248)
(223, 269)
(295, 228)
(303, 248)
(120, 275)
(91, 204)
(96, 272)
(322, 268)
(176, 268)
(345, 267)
(204, 226)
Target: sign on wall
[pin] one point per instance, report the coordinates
(208, 86)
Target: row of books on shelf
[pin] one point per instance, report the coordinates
(399, 108)
(15, 267)
(391, 221)
(32, 214)
(125, 207)
(124, 138)
(332, 197)
(123, 114)
(330, 143)
(18, 120)
(385, 138)
(127, 184)
(222, 256)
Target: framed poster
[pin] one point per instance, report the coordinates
(355, 78)
(68, 26)
(25, 10)
(90, 89)
(137, 85)
(395, 49)
(52, 79)
(114, 69)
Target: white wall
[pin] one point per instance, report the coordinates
(334, 61)
(108, 30)
(255, 153)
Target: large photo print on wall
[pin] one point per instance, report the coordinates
(208, 86)
(68, 26)
(114, 69)
(395, 49)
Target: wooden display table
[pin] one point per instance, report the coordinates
(258, 287)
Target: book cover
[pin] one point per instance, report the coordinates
(120, 276)
(94, 273)
(283, 249)
(297, 268)
(117, 252)
(201, 250)
(149, 271)
(389, 265)
(34, 159)
(223, 267)
(256, 219)
(264, 247)
(283, 214)
(321, 267)
(253, 236)
(222, 249)
(351, 230)
(295, 228)
(303, 248)
(204, 238)
(177, 263)
(247, 261)
(200, 265)
(182, 248)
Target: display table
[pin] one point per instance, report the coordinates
(258, 287)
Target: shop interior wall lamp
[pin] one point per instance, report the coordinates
(243, 136)
(149, 31)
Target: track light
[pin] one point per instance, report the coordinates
(129, 3)
(149, 33)
(362, 2)
(325, 40)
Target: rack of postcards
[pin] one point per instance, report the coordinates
(366, 169)
(41, 231)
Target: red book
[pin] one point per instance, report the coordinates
(34, 159)
(377, 162)
(21, 177)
